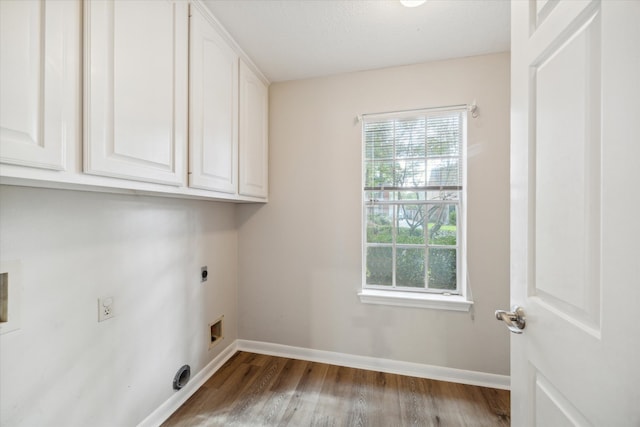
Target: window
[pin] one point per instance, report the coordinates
(413, 203)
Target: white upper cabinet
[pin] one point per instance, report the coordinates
(213, 108)
(146, 96)
(254, 150)
(38, 74)
(135, 100)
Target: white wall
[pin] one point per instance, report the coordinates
(63, 367)
(300, 255)
(296, 261)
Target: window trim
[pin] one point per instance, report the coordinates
(415, 299)
(420, 298)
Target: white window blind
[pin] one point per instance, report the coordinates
(413, 194)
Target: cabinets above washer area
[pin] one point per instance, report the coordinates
(160, 101)
(213, 108)
(135, 90)
(254, 153)
(38, 82)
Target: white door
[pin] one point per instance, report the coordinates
(135, 112)
(213, 112)
(575, 218)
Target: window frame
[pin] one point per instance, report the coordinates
(459, 299)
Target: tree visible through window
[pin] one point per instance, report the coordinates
(413, 200)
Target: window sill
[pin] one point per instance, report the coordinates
(414, 299)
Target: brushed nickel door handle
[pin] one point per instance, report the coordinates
(515, 319)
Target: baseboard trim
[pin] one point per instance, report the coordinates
(375, 364)
(164, 411)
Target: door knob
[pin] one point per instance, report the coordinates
(515, 319)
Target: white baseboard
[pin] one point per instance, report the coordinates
(172, 404)
(419, 370)
(375, 364)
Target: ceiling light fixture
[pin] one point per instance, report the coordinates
(411, 3)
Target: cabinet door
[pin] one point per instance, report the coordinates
(136, 61)
(38, 77)
(254, 150)
(213, 112)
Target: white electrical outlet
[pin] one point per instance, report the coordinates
(105, 309)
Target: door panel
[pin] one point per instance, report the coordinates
(213, 113)
(574, 204)
(552, 408)
(254, 150)
(143, 74)
(37, 80)
(565, 117)
(136, 89)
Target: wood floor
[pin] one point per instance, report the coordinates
(258, 390)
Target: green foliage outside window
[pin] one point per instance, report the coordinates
(410, 263)
(408, 161)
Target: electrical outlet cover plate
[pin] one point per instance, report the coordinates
(105, 309)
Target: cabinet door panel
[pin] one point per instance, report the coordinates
(254, 150)
(136, 89)
(213, 113)
(37, 81)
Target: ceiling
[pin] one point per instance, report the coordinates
(298, 39)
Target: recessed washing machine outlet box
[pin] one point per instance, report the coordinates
(10, 290)
(4, 297)
(216, 332)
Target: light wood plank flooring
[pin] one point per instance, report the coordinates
(258, 390)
